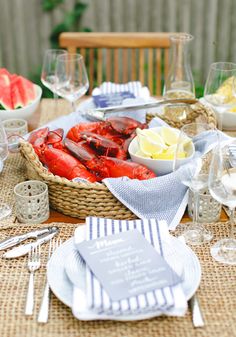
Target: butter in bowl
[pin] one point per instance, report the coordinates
(158, 147)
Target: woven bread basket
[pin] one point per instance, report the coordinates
(79, 199)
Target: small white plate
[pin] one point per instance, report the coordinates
(62, 287)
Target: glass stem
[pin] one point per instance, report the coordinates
(220, 124)
(73, 106)
(55, 97)
(195, 207)
(231, 218)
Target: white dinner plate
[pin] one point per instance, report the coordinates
(65, 261)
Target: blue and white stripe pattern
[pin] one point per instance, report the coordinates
(161, 299)
(135, 87)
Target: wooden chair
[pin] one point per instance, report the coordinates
(122, 57)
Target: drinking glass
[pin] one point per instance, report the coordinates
(222, 186)
(72, 77)
(5, 209)
(196, 178)
(48, 74)
(218, 89)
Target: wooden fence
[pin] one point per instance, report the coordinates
(25, 27)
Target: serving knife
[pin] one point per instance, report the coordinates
(99, 113)
(15, 240)
(24, 249)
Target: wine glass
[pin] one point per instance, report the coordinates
(218, 89)
(72, 77)
(196, 178)
(48, 73)
(222, 186)
(5, 209)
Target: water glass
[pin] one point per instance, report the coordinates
(31, 201)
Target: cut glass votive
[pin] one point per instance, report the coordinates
(15, 129)
(31, 201)
(209, 208)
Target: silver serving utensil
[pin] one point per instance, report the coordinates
(15, 240)
(101, 112)
(24, 249)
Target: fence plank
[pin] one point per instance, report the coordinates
(25, 27)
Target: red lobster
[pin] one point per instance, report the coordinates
(108, 167)
(120, 130)
(51, 151)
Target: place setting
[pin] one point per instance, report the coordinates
(117, 197)
(93, 277)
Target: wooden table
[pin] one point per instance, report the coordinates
(59, 217)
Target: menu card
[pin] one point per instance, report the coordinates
(106, 100)
(127, 265)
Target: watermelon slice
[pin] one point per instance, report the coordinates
(16, 97)
(5, 92)
(26, 90)
(15, 91)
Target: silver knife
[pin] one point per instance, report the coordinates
(15, 240)
(24, 249)
(197, 318)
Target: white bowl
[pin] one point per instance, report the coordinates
(159, 166)
(228, 118)
(24, 112)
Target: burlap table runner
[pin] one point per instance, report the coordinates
(216, 294)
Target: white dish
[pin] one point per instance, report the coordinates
(159, 166)
(63, 288)
(228, 118)
(24, 112)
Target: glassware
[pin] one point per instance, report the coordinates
(15, 129)
(48, 73)
(180, 83)
(72, 77)
(218, 89)
(196, 178)
(5, 209)
(222, 186)
(31, 200)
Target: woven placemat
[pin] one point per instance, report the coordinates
(216, 295)
(13, 173)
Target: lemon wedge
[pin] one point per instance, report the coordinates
(148, 146)
(169, 135)
(153, 136)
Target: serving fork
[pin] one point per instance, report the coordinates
(44, 308)
(33, 265)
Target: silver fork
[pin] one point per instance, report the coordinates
(44, 308)
(33, 265)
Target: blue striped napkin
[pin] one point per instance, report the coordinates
(135, 87)
(167, 300)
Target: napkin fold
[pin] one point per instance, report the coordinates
(168, 300)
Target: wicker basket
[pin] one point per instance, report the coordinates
(92, 199)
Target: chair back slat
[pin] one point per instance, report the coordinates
(141, 66)
(124, 65)
(122, 57)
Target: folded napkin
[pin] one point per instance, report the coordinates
(169, 300)
(134, 87)
(108, 94)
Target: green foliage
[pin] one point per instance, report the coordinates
(69, 23)
(49, 5)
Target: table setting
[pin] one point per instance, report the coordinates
(127, 265)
